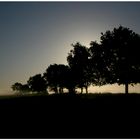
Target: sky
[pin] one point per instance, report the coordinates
(34, 35)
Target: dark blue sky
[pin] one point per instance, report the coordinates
(34, 35)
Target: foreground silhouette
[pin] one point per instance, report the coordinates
(70, 116)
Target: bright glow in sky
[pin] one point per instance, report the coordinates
(34, 35)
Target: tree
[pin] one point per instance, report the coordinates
(25, 88)
(20, 88)
(37, 83)
(78, 60)
(63, 77)
(70, 81)
(17, 87)
(56, 76)
(120, 56)
(96, 64)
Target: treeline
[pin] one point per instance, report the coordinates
(116, 59)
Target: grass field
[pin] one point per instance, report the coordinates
(70, 116)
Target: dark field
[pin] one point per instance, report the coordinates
(70, 116)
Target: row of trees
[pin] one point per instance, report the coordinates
(35, 84)
(114, 60)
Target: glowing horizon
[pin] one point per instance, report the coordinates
(94, 89)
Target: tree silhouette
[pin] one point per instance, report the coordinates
(20, 88)
(25, 88)
(96, 64)
(37, 83)
(71, 83)
(114, 60)
(63, 72)
(56, 77)
(120, 56)
(78, 60)
(17, 87)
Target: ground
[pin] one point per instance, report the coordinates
(70, 116)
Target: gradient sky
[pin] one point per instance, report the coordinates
(34, 35)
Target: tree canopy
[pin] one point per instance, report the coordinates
(120, 54)
(17, 86)
(37, 83)
(78, 60)
(56, 77)
(20, 87)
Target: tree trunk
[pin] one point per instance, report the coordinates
(71, 90)
(126, 88)
(86, 89)
(56, 90)
(62, 90)
(81, 90)
(59, 89)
